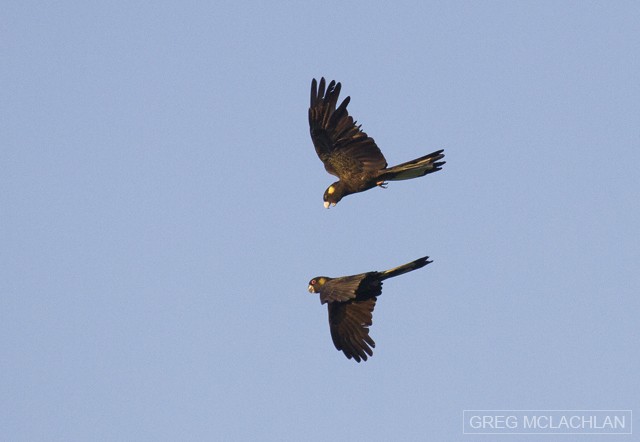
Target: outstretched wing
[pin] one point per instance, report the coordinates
(349, 324)
(339, 142)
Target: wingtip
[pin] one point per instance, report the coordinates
(320, 90)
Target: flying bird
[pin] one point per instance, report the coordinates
(349, 153)
(351, 300)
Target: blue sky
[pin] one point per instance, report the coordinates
(162, 215)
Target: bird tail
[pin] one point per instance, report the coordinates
(405, 268)
(415, 168)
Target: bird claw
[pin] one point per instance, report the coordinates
(382, 184)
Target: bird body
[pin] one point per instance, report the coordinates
(349, 153)
(350, 301)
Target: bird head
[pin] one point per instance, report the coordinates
(333, 194)
(315, 285)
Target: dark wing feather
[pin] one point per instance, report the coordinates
(349, 324)
(335, 133)
(341, 289)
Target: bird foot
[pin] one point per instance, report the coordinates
(382, 184)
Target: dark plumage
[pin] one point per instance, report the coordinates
(349, 153)
(350, 301)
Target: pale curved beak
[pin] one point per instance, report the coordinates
(327, 204)
(311, 290)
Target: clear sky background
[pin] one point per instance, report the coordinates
(161, 214)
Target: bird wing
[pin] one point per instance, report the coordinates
(341, 289)
(349, 324)
(335, 134)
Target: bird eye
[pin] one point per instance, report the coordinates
(313, 282)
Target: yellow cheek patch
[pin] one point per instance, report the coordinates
(331, 189)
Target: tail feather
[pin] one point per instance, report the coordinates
(405, 268)
(415, 168)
